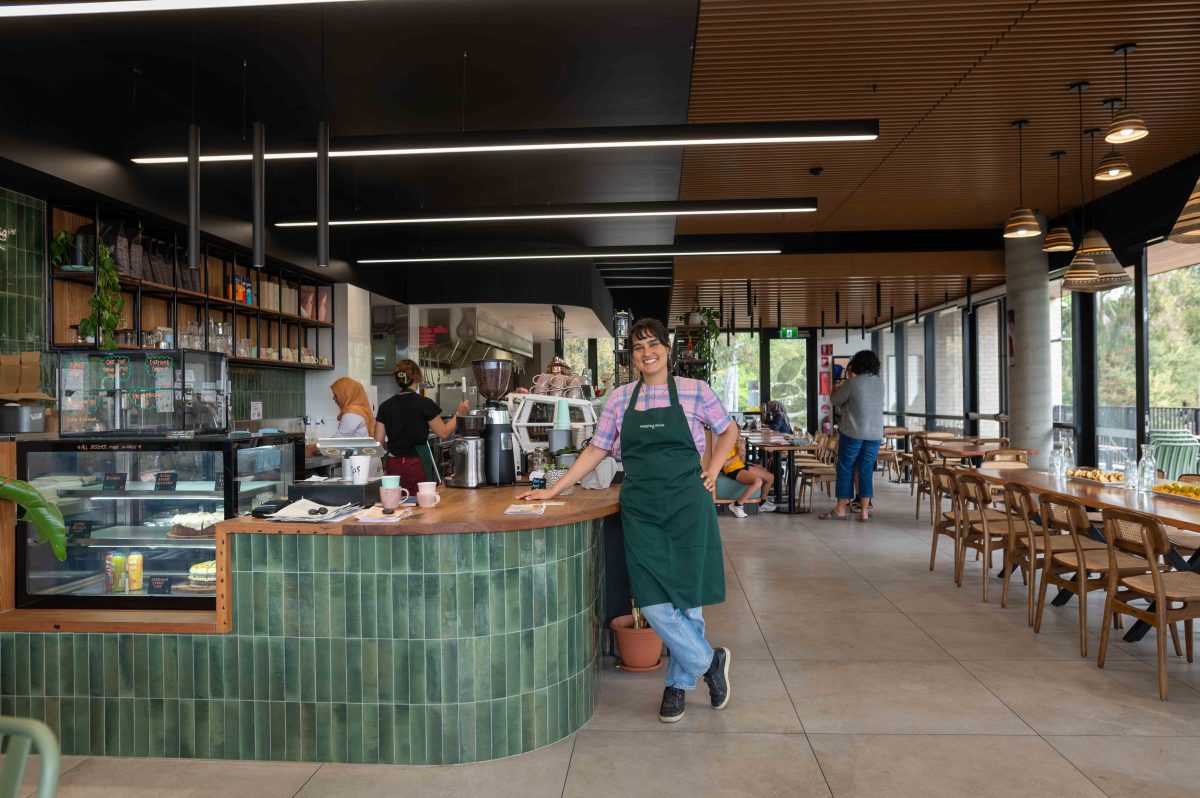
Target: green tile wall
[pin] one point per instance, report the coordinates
(280, 390)
(22, 273)
(431, 649)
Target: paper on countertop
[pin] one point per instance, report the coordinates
(299, 511)
(375, 515)
(525, 509)
(315, 478)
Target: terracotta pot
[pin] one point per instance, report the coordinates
(640, 649)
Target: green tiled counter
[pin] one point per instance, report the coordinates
(421, 649)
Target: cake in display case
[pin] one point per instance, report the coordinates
(141, 515)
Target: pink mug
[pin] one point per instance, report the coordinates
(428, 500)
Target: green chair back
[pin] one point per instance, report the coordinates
(20, 736)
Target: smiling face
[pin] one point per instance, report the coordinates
(650, 357)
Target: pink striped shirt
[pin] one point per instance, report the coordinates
(700, 406)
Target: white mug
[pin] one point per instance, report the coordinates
(356, 469)
(427, 487)
(428, 500)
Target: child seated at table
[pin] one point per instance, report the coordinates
(755, 478)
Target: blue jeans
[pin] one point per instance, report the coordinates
(854, 453)
(683, 632)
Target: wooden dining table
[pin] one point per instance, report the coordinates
(763, 444)
(1170, 510)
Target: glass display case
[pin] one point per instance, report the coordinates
(148, 392)
(140, 515)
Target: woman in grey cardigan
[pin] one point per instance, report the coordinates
(859, 433)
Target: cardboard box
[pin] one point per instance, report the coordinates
(19, 378)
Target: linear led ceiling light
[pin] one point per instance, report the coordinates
(135, 6)
(617, 210)
(594, 255)
(585, 138)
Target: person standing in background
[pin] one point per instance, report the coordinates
(404, 423)
(355, 419)
(860, 431)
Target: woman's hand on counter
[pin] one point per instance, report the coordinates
(543, 495)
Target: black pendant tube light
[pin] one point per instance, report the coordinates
(847, 331)
(916, 308)
(258, 196)
(892, 319)
(193, 181)
(837, 307)
(822, 323)
(323, 167)
(878, 300)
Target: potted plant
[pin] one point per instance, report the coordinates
(45, 517)
(704, 338)
(639, 646)
(565, 458)
(106, 303)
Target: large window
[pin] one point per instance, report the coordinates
(1116, 394)
(990, 366)
(575, 352)
(948, 367)
(789, 378)
(1174, 307)
(914, 372)
(735, 372)
(605, 364)
(887, 370)
(1062, 368)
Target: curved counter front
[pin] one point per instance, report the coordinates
(459, 635)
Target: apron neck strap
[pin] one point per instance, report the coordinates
(672, 392)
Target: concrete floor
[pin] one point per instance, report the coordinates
(856, 672)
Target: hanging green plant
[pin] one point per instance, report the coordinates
(704, 338)
(45, 517)
(106, 303)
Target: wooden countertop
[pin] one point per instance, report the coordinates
(462, 510)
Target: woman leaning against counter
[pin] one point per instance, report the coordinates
(672, 543)
(403, 424)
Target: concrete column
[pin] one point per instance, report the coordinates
(1026, 270)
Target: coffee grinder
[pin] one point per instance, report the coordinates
(466, 453)
(492, 377)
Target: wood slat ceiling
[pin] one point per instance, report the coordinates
(945, 78)
(804, 285)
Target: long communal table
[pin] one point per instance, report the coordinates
(1172, 511)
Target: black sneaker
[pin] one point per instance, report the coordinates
(672, 705)
(717, 678)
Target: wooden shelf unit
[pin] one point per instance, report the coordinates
(287, 307)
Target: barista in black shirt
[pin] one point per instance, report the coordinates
(403, 424)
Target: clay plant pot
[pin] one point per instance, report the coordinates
(640, 649)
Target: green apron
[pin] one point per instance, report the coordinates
(672, 541)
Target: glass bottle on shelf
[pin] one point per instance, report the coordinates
(1147, 468)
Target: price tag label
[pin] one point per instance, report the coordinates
(114, 480)
(165, 480)
(180, 434)
(221, 481)
(80, 530)
(158, 585)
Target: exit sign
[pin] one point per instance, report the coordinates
(789, 332)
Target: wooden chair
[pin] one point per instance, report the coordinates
(1064, 514)
(1005, 456)
(820, 471)
(919, 480)
(888, 459)
(1128, 533)
(982, 528)
(1003, 443)
(943, 486)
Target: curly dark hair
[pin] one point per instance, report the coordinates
(865, 362)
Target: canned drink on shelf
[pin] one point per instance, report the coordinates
(118, 572)
(133, 569)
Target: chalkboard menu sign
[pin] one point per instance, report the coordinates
(114, 480)
(79, 530)
(165, 480)
(158, 585)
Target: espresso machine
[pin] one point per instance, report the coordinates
(492, 377)
(466, 452)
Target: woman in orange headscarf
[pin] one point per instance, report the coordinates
(355, 419)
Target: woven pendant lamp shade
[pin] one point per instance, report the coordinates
(1113, 167)
(1128, 125)
(1081, 274)
(1187, 228)
(1058, 240)
(1022, 223)
(1111, 273)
